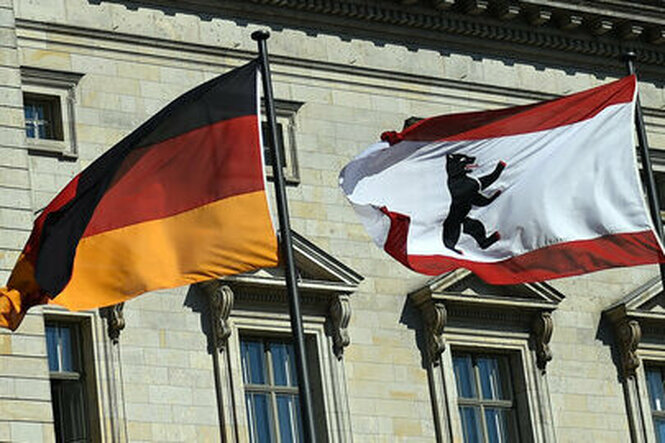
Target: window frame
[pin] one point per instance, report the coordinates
(257, 303)
(53, 115)
(460, 312)
(61, 87)
(645, 419)
(524, 379)
(88, 375)
(330, 373)
(506, 369)
(653, 413)
(285, 114)
(638, 325)
(270, 387)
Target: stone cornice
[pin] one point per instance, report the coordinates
(217, 57)
(581, 35)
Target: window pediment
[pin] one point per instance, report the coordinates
(459, 299)
(320, 277)
(325, 285)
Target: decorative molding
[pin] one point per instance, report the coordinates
(49, 77)
(340, 315)
(470, 25)
(435, 317)
(218, 58)
(628, 335)
(638, 323)
(543, 326)
(62, 85)
(458, 300)
(115, 321)
(221, 303)
(324, 294)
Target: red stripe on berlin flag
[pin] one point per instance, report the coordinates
(556, 261)
(522, 119)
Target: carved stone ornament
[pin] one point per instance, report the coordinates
(542, 334)
(340, 315)
(628, 334)
(435, 317)
(221, 303)
(115, 321)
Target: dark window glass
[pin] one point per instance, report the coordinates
(43, 118)
(271, 390)
(267, 143)
(659, 178)
(68, 390)
(655, 381)
(485, 398)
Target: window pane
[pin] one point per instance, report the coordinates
(66, 349)
(258, 417)
(659, 424)
(52, 348)
(73, 412)
(30, 130)
(466, 386)
(41, 127)
(283, 362)
(267, 143)
(655, 388)
(471, 424)
(253, 368)
(29, 112)
(490, 378)
(38, 111)
(288, 410)
(497, 425)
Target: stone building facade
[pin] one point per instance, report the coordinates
(394, 356)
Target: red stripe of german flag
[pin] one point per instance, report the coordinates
(178, 201)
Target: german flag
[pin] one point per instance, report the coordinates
(179, 200)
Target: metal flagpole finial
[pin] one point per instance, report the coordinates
(629, 58)
(262, 34)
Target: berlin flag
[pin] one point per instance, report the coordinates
(522, 194)
(178, 201)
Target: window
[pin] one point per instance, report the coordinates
(489, 385)
(655, 379)
(286, 125)
(72, 384)
(48, 108)
(638, 321)
(659, 178)
(271, 390)
(485, 397)
(251, 329)
(42, 117)
(657, 157)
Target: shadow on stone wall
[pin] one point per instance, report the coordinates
(412, 319)
(605, 334)
(198, 302)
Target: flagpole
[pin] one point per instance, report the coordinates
(650, 183)
(287, 244)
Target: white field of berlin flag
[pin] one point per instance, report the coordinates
(516, 195)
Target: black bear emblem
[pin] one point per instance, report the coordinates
(465, 193)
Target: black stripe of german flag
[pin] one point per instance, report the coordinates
(179, 200)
